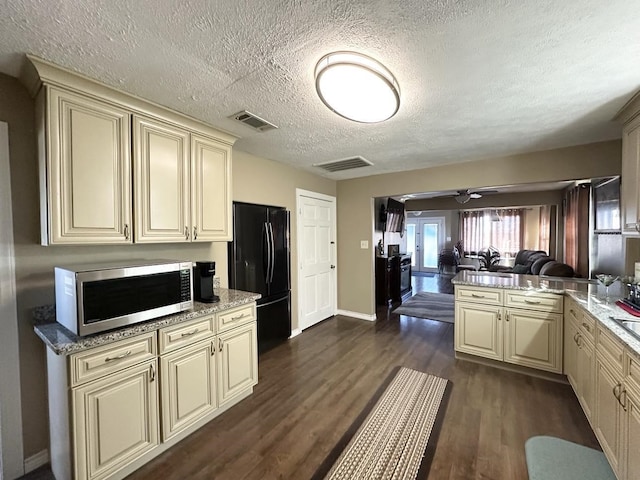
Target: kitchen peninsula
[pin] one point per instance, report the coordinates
(556, 326)
(120, 398)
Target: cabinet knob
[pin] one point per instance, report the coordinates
(220, 345)
(195, 232)
(186, 233)
(152, 373)
(126, 231)
(213, 348)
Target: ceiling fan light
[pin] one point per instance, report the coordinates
(462, 198)
(357, 87)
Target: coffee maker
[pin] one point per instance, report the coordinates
(203, 274)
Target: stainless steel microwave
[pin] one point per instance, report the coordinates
(99, 297)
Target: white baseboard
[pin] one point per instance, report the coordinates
(361, 316)
(295, 332)
(36, 461)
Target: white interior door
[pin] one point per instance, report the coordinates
(316, 225)
(11, 454)
(425, 239)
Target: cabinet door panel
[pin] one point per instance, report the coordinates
(238, 361)
(629, 195)
(161, 175)
(571, 351)
(211, 189)
(607, 414)
(116, 420)
(632, 440)
(533, 339)
(585, 377)
(87, 170)
(478, 330)
(188, 386)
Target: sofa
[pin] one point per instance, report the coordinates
(536, 262)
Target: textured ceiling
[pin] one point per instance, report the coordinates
(478, 78)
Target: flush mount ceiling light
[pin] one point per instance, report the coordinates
(357, 87)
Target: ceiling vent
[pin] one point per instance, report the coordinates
(344, 164)
(253, 121)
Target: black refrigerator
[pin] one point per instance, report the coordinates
(259, 261)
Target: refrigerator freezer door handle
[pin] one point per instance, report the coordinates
(267, 239)
(273, 253)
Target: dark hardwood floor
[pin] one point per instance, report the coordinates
(312, 387)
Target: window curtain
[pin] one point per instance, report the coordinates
(576, 229)
(499, 228)
(544, 229)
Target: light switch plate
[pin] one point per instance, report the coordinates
(364, 244)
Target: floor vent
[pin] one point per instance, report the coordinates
(344, 164)
(253, 121)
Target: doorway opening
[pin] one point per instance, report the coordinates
(425, 240)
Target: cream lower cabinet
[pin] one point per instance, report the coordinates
(116, 420)
(529, 335)
(189, 387)
(237, 361)
(579, 356)
(113, 408)
(478, 330)
(608, 414)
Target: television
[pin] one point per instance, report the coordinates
(394, 216)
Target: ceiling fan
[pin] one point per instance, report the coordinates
(463, 196)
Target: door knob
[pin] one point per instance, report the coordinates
(333, 266)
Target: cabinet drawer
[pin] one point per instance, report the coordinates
(534, 301)
(572, 310)
(236, 316)
(487, 296)
(633, 371)
(178, 336)
(587, 326)
(101, 361)
(610, 349)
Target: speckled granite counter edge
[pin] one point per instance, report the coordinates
(601, 312)
(64, 342)
(576, 289)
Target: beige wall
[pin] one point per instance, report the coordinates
(355, 197)
(257, 180)
(254, 180)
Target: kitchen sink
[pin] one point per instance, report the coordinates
(632, 326)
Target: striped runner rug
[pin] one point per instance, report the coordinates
(392, 440)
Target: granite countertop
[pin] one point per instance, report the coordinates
(588, 294)
(64, 342)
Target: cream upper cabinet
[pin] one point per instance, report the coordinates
(162, 182)
(85, 169)
(629, 188)
(179, 189)
(116, 421)
(237, 362)
(211, 189)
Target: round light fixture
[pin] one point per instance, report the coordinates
(357, 87)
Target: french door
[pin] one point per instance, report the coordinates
(425, 239)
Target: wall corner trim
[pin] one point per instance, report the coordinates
(36, 461)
